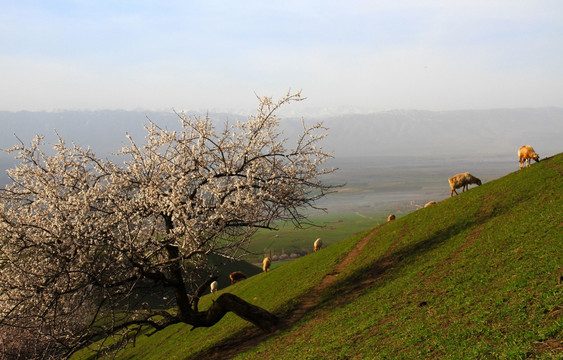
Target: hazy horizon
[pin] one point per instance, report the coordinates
(390, 153)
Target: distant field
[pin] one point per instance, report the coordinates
(373, 189)
(331, 228)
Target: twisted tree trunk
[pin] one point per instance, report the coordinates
(188, 309)
(229, 302)
(225, 303)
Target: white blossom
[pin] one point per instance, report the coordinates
(79, 235)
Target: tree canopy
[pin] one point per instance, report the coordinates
(79, 235)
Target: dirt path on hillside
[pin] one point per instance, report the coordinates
(241, 342)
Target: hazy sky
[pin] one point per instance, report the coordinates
(215, 55)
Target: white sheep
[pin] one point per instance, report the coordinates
(462, 181)
(318, 244)
(527, 153)
(266, 264)
(214, 287)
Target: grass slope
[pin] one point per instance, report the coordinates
(475, 276)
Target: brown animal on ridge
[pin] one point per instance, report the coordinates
(236, 276)
(391, 217)
(462, 181)
(430, 203)
(527, 153)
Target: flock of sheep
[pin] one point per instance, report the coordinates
(525, 153)
(459, 181)
(266, 263)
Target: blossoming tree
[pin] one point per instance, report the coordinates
(79, 235)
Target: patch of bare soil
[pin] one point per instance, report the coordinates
(251, 337)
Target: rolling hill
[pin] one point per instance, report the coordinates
(475, 276)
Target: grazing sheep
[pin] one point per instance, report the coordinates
(391, 217)
(318, 244)
(430, 203)
(462, 181)
(214, 287)
(470, 179)
(236, 276)
(266, 264)
(527, 153)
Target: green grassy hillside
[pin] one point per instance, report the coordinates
(475, 276)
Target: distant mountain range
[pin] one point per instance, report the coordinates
(397, 133)
(447, 133)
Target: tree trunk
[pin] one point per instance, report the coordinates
(182, 299)
(229, 302)
(187, 310)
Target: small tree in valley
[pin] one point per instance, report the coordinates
(79, 235)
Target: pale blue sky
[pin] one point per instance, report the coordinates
(215, 55)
